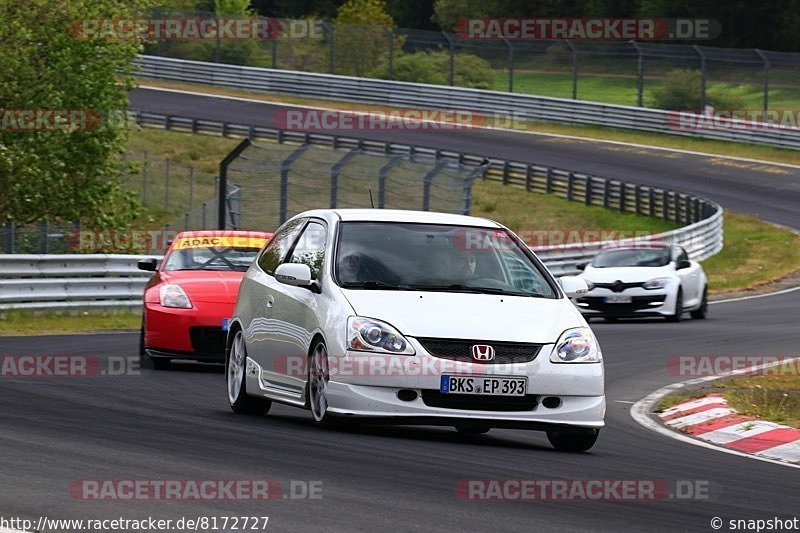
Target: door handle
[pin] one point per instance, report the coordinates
(270, 300)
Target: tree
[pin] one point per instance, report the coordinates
(70, 173)
(361, 36)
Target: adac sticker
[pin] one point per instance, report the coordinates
(219, 242)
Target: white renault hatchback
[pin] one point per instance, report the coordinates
(413, 317)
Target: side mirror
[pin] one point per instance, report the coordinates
(682, 264)
(296, 274)
(149, 265)
(581, 266)
(573, 285)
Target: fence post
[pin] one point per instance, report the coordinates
(650, 200)
(623, 190)
(452, 67)
(574, 68)
(191, 187)
(639, 74)
(335, 169)
(43, 244)
(637, 196)
(767, 66)
(426, 185)
(510, 65)
(587, 197)
(383, 174)
(274, 51)
(505, 172)
(144, 178)
(222, 187)
(570, 185)
(528, 176)
(665, 205)
(331, 62)
(185, 221)
(166, 185)
(677, 202)
(286, 165)
(390, 67)
(606, 191)
(702, 77)
(548, 181)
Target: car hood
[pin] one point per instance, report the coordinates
(206, 285)
(468, 316)
(626, 274)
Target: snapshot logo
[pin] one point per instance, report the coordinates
(189, 29)
(584, 29)
(59, 366)
(193, 489)
(733, 119)
(714, 365)
(377, 119)
(580, 489)
(26, 120)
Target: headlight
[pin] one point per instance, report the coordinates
(656, 283)
(589, 284)
(368, 335)
(173, 296)
(576, 345)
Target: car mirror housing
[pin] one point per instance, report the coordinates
(581, 266)
(573, 285)
(296, 274)
(149, 264)
(680, 265)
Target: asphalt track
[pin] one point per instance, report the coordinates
(177, 424)
(770, 191)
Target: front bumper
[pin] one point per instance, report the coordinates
(367, 386)
(644, 303)
(195, 333)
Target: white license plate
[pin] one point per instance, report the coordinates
(618, 299)
(484, 385)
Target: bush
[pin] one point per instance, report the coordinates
(681, 90)
(433, 67)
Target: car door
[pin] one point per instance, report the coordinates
(262, 288)
(690, 278)
(295, 313)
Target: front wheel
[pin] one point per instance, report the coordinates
(317, 388)
(676, 317)
(702, 311)
(235, 380)
(573, 440)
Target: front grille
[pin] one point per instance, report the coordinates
(619, 286)
(597, 303)
(208, 340)
(461, 350)
(473, 402)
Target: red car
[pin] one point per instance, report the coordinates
(191, 296)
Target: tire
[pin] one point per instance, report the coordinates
(573, 440)
(701, 312)
(678, 315)
(236, 383)
(316, 389)
(473, 430)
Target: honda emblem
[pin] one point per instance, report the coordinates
(482, 352)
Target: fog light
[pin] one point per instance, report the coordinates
(407, 395)
(552, 402)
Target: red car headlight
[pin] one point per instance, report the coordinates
(173, 296)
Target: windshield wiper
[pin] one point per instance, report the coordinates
(456, 287)
(375, 285)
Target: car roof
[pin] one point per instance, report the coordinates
(400, 215)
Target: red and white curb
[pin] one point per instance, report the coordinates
(711, 419)
(642, 411)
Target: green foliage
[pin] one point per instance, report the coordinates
(434, 67)
(361, 37)
(681, 91)
(64, 174)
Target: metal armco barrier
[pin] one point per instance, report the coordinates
(491, 103)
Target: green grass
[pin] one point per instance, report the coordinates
(675, 399)
(735, 149)
(770, 397)
(30, 323)
(754, 253)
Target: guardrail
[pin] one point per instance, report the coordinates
(493, 103)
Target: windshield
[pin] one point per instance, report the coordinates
(211, 258)
(404, 256)
(645, 257)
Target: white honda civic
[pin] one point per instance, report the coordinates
(407, 317)
(648, 280)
